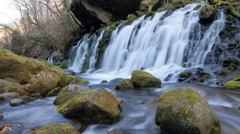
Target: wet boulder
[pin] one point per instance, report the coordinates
(11, 86)
(207, 14)
(54, 92)
(183, 110)
(124, 84)
(56, 128)
(38, 77)
(144, 79)
(16, 102)
(93, 13)
(96, 106)
(233, 84)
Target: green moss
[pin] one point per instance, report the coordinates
(131, 17)
(232, 67)
(203, 78)
(173, 96)
(72, 72)
(72, 79)
(50, 64)
(56, 128)
(149, 13)
(144, 79)
(184, 74)
(238, 107)
(223, 72)
(37, 76)
(229, 5)
(233, 84)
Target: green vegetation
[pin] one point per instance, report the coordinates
(56, 128)
(72, 79)
(131, 17)
(204, 77)
(50, 64)
(148, 14)
(223, 72)
(233, 84)
(184, 74)
(238, 107)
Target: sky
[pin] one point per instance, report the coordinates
(7, 11)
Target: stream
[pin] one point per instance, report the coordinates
(139, 108)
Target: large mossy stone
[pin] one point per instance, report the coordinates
(183, 110)
(144, 79)
(56, 128)
(39, 77)
(233, 84)
(124, 84)
(96, 106)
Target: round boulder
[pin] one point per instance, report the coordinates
(183, 110)
(144, 79)
(96, 106)
(124, 84)
(56, 128)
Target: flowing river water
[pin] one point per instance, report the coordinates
(139, 108)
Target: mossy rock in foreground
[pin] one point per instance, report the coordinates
(36, 75)
(187, 111)
(144, 79)
(56, 128)
(233, 84)
(96, 106)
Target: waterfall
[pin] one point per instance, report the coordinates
(162, 45)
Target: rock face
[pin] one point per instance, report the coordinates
(56, 128)
(144, 79)
(124, 84)
(96, 106)
(183, 110)
(38, 77)
(207, 14)
(93, 13)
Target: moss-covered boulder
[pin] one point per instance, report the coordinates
(233, 84)
(207, 14)
(9, 86)
(56, 128)
(144, 79)
(37, 76)
(73, 80)
(74, 88)
(183, 110)
(124, 84)
(96, 106)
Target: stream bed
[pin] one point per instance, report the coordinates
(139, 108)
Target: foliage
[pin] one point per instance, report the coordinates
(233, 84)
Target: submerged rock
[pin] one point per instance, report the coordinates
(96, 106)
(183, 110)
(8, 96)
(124, 84)
(38, 77)
(56, 128)
(16, 102)
(144, 79)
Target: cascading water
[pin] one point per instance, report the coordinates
(162, 45)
